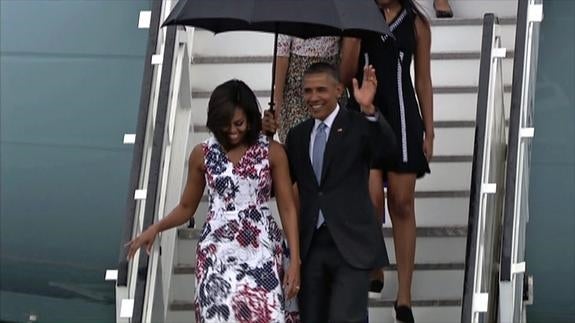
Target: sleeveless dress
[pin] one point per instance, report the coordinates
(302, 54)
(240, 253)
(395, 96)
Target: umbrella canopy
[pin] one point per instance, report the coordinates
(299, 18)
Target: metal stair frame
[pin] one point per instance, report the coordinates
(142, 287)
(480, 292)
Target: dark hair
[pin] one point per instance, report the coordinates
(323, 68)
(224, 101)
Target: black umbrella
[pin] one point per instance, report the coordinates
(299, 18)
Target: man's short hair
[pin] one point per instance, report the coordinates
(323, 68)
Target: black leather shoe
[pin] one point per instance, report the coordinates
(403, 313)
(443, 13)
(375, 289)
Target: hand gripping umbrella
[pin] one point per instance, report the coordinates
(299, 18)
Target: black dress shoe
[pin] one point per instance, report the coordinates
(375, 289)
(443, 13)
(403, 313)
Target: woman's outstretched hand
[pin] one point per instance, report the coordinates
(145, 239)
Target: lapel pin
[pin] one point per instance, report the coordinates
(339, 130)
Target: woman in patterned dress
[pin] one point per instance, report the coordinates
(240, 254)
(294, 56)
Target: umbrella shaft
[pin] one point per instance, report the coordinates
(272, 103)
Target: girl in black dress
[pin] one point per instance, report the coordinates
(410, 113)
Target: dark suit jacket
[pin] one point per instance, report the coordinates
(343, 195)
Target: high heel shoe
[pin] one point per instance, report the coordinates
(403, 313)
(375, 289)
(443, 13)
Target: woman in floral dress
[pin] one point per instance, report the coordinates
(240, 254)
(294, 56)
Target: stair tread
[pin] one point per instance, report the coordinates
(259, 59)
(470, 21)
(437, 232)
(420, 194)
(196, 127)
(190, 269)
(455, 21)
(445, 159)
(180, 305)
(199, 94)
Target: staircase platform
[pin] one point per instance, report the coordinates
(441, 198)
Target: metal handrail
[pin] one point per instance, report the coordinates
(147, 161)
(482, 253)
(522, 72)
(155, 166)
(529, 14)
(138, 152)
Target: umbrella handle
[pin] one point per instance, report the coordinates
(272, 103)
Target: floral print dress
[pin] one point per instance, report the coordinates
(302, 54)
(240, 252)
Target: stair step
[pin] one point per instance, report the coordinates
(197, 127)
(448, 173)
(442, 312)
(430, 249)
(455, 89)
(470, 21)
(447, 106)
(449, 35)
(439, 268)
(464, 72)
(190, 269)
(452, 159)
(448, 142)
(474, 55)
(258, 75)
(429, 281)
(418, 303)
(454, 106)
(441, 210)
(453, 231)
(178, 305)
(418, 194)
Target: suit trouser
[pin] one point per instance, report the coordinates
(331, 290)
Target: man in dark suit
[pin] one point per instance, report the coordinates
(330, 156)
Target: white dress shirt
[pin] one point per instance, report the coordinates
(328, 122)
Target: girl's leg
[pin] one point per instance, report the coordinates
(401, 195)
(376, 192)
(378, 200)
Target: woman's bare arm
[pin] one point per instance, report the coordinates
(349, 56)
(183, 211)
(423, 85)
